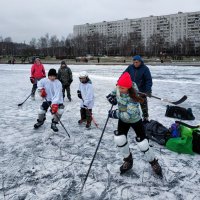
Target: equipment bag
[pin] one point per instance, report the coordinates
(180, 145)
(196, 141)
(179, 113)
(157, 132)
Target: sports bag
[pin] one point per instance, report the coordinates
(180, 145)
(179, 113)
(157, 132)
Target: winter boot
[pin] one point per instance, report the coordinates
(39, 123)
(53, 126)
(156, 167)
(128, 164)
(81, 121)
(88, 124)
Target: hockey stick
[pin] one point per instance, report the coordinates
(58, 119)
(95, 152)
(91, 115)
(181, 100)
(93, 118)
(20, 104)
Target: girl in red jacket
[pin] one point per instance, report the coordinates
(37, 73)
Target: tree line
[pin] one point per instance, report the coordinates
(98, 45)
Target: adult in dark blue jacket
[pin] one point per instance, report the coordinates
(141, 75)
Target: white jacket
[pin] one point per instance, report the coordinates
(87, 94)
(53, 90)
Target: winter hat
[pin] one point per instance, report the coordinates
(125, 80)
(52, 72)
(63, 63)
(83, 74)
(137, 57)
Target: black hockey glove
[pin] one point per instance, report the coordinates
(112, 99)
(79, 94)
(113, 114)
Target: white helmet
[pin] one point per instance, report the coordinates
(83, 74)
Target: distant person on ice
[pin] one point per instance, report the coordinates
(141, 75)
(65, 77)
(51, 90)
(128, 115)
(86, 94)
(37, 73)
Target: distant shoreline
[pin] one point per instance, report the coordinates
(194, 64)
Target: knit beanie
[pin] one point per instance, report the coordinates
(137, 57)
(52, 72)
(125, 80)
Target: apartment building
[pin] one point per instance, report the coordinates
(171, 27)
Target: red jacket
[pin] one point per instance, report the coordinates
(37, 71)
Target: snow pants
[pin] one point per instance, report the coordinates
(67, 88)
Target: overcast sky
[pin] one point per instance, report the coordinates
(23, 20)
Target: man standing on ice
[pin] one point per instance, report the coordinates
(51, 90)
(141, 75)
(37, 73)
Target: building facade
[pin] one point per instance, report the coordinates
(171, 27)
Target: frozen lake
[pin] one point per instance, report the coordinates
(39, 164)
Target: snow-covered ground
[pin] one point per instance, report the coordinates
(39, 164)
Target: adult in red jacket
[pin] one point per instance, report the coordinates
(37, 73)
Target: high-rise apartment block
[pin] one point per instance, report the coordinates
(171, 27)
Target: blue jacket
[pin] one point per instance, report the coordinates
(141, 76)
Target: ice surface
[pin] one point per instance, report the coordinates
(39, 164)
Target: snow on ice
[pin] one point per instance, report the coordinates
(39, 164)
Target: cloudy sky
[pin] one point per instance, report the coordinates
(23, 20)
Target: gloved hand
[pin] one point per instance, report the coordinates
(54, 108)
(113, 114)
(32, 79)
(70, 81)
(85, 106)
(112, 99)
(148, 94)
(79, 94)
(43, 93)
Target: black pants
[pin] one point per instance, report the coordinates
(144, 107)
(67, 88)
(46, 104)
(86, 114)
(138, 127)
(34, 88)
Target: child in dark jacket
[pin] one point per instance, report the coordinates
(128, 115)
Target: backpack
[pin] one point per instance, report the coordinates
(179, 113)
(157, 132)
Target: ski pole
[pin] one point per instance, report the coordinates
(20, 104)
(181, 100)
(58, 119)
(95, 151)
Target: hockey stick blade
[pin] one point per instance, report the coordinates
(180, 100)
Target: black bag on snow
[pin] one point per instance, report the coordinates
(157, 132)
(196, 141)
(179, 113)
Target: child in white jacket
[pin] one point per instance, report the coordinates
(86, 94)
(51, 90)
